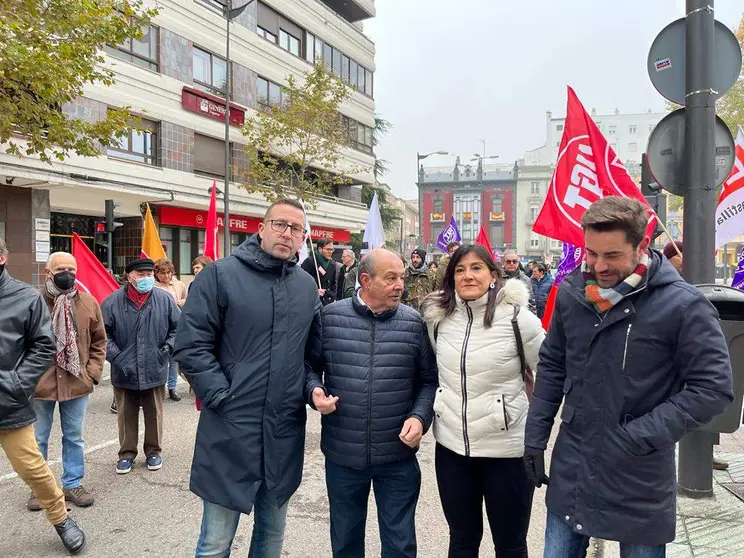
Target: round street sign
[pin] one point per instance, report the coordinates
(666, 152)
(667, 58)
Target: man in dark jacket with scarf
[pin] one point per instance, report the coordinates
(141, 327)
(373, 375)
(326, 269)
(27, 348)
(542, 282)
(637, 357)
(241, 345)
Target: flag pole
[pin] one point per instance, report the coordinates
(676, 248)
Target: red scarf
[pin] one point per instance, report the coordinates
(139, 299)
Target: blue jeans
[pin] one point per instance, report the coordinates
(219, 525)
(172, 374)
(562, 542)
(396, 489)
(72, 416)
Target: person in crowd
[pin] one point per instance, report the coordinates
(242, 350)
(433, 266)
(140, 325)
(478, 455)
(78, 328)
(541, 285)
(530, 266)
(27, 349)
(165, 280)
(350, 264)
(443, 262)
(326, 270)
(670, 253)
(372, 375)
(419, 281)
(512, 271)
(199, 263)
(636, 359)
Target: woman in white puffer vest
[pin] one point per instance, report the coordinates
(481, 404)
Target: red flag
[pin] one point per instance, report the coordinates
(483, 240)
(92, 277)
(211, 247)
(550, 306)
(587, 170)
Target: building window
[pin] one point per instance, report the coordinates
(497, 204)
(209, 156)
(533, 213)
(166, 239)
(497, 234)
(534, 242)
(613, 130)
(140, 145)
(218, 4)
(210, 72)
(289, 42)
(359, 135)
(632, 147)
(268, 93)
(437, 204)
(313, 48)
(555, 244)
(143, 51)
(269, 36)
(535, 189)
(650, 127)
(633, 129)
(559, 128)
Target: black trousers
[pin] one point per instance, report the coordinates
(464, 482)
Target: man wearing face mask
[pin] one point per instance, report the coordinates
(81, 349)
(141, 328)
(27, 349)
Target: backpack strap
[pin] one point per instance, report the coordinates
(518, 339)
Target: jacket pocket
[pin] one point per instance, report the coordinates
(567, 414)
(498, 415)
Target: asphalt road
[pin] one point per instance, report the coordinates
(154, 514)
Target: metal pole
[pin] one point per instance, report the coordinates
(226, 249)
(696, 449)
(110, 252)
(725, 264)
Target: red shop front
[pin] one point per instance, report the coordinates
(182, 233)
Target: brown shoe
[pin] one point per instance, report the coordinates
(80, 497)
(720, 464)
(33, 504)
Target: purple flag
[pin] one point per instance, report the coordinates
(450, 234)
(570, 259)
(738, 282)
(496, 255)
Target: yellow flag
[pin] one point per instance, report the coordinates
(151, 246)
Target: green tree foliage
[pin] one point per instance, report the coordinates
(49, 51)
(730, 107)
(295, 147)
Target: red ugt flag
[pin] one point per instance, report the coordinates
(92, 277)
(211, 249)
(483, 241)
(587, 170)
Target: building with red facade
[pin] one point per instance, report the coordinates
(477, 195)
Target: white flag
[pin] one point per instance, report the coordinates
(303, 249)
(730, 210)
(374, 235)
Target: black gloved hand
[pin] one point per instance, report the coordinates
(534, 462)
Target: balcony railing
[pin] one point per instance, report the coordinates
(437, 218)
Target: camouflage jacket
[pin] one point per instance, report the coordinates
(419, 283)
(439, 278)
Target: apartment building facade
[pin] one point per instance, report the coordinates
(174, 80)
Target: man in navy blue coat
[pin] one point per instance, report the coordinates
(241, 345)
(637, 357)
(373, 376)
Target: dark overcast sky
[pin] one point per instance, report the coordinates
(453, 72)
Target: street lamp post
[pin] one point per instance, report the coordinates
(480, 159)
(229, 12)
(420, 158)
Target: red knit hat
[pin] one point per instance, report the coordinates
(669, 251)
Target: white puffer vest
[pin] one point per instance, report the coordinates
(481, 406)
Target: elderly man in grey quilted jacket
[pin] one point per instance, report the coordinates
(373, 375)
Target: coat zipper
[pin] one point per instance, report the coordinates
(503, 408)
(369, 395)
(464, 381)
(625, 351)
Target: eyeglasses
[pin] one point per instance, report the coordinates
(279, 226)
(511, 261)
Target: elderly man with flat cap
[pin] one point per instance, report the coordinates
(141, 328)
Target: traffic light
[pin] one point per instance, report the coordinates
(101, 237)
(653, 194)
(111, 225)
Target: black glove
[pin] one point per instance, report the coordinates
(534, 462)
